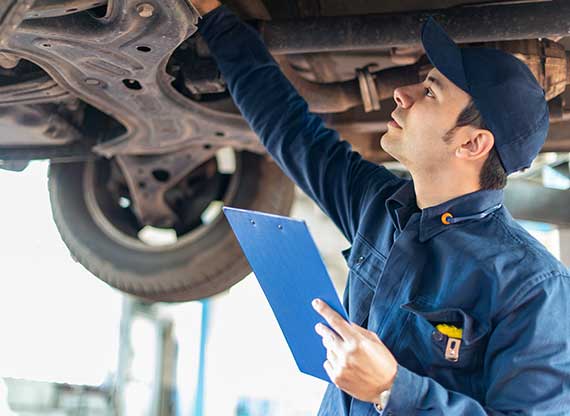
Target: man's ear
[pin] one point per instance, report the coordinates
(477, 145)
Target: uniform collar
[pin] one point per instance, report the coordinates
(402, 204)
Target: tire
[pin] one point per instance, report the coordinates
(208, 262)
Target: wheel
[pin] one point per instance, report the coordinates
(201, 257)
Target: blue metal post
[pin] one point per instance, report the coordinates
(199, 402)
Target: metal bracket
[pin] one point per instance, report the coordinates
(118, 64)
(368, 90)
(194, 9)
(149, 177)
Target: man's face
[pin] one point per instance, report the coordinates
(424, 112)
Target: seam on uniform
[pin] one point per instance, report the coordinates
(362, 280)
(527, 287)
(371, 246)
(535, 281)
(529, 284)
(506, 228)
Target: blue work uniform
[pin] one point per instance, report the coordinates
(409, 268)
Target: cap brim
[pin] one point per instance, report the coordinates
(443, 53)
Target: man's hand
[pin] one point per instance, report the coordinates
(357, 362)
(205, 6)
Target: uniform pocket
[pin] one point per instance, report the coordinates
(365, 262)
(430, 344)
(365, 267)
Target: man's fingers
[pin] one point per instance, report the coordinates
(329, 369)
(337, 322)
(364, 332)
(330, 339)
(331, 357)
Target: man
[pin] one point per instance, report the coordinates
(454, 308)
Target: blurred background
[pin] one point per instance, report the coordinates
(71, 345)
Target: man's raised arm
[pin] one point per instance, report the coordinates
(323, 166)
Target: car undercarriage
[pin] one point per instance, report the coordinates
(145, 143)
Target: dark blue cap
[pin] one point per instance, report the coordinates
(504, 90)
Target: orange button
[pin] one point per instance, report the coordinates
(445, 218)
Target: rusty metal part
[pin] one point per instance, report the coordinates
(198, 70)
(34, 125)
(545, 58)
(146, 9)
(118, 65)
(117, 94)
(341, 96)
(8, 61)
(12, 12)
(36, 90)
(363, 130)
(149, 177)
(358, 7)
(323, 98)
(388, 80)
(74, 152)
(464, 25)
(368, 89)
(327, 67)
(558, 139)
(53, 8)
(556, 109)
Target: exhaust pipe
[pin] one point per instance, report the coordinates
(465, 24)
(338, 97)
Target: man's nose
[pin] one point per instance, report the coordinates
(403, 97)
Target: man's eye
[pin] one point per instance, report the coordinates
(428, 91)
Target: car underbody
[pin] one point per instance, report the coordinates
(126, 102)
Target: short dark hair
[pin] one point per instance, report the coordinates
(493, 174)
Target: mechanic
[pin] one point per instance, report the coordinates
(455, 309)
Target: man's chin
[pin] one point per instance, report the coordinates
(388, 143)
(389, 146)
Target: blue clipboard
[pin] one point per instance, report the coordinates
(291, 273)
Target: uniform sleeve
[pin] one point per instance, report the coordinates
(527, 364)
(338, 179)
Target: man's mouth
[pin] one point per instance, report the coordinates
(394, 123)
